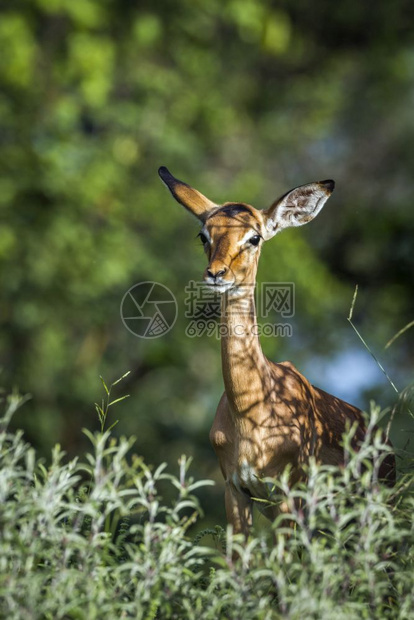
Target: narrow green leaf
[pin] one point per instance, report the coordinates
(118, 400)
(99, 410)
(120, 378)
(104, 384)
(112, 425)
(398, 334)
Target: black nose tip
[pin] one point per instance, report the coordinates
(217, 274)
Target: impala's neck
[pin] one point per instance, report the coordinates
(243, 361)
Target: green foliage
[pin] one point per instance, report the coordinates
(99, 548)
(93, 537)
(103, 408)
(243, 99)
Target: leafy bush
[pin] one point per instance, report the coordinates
(93, 538)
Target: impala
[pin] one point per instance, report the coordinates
(269, 416)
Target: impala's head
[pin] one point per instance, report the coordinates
(232, 234)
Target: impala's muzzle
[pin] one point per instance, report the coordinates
(216, 274)
(218, 277)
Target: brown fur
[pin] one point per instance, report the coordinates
(269, 416)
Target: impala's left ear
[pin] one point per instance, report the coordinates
(297, 207)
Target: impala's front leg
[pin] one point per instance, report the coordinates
(239, 510)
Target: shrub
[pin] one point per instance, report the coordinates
(93, 538)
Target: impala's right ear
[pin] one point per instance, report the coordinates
(190, 198)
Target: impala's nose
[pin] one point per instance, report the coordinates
(216, 273)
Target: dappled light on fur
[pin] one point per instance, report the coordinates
(270, 417)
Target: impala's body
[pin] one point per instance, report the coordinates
(269, 416)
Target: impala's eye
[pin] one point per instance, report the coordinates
(203, 238)
(255, 240)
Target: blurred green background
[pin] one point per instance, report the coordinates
(244, 100)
